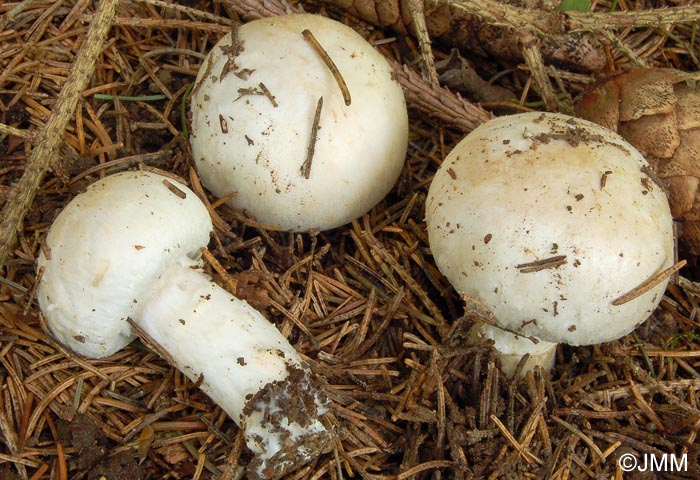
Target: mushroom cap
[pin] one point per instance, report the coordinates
(563, 192)
(106, 249)
(243, 143)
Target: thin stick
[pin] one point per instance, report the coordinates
(423, 467)
(10, 16)
(10, 130)
(527, 455)
(552, 262)
(231, 283)
(416, 9)
(586, 439)
(189, 11)
(648, 284)
(150, 341)
(438, 102)
(309, 37)
(166, 23)
(306, 166)
(268, 94)
(21, 197)
(176, 191)
(533, 58)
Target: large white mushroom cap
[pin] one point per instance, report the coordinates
(106, 250)
(547, 220)
(253, 108)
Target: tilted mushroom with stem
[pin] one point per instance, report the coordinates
(301, 120)
(553, 224)
(127, 252)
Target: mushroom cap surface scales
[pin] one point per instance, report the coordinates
(106, 249)
(253, 114)
(548, 220)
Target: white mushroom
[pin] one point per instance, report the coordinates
(129, 248)
(549, 221)
(300, 147)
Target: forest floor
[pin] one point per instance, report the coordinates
(365, 303)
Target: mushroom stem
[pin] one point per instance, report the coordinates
(129, 247)
(243, 363)
(510, 349)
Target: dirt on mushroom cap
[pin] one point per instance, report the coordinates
(517, 218)
(272, 123)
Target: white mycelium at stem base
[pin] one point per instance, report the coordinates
(254, 107)
(129, 247)
(547, 220)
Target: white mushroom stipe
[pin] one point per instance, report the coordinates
(511, 349)
(129, 247)
(271, 123)
(547, 220)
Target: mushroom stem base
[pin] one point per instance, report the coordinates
(510, 349)
(243, 363)
(282, 424)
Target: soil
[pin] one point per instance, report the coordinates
(95, 451)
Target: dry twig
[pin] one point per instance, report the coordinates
(47, 149)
